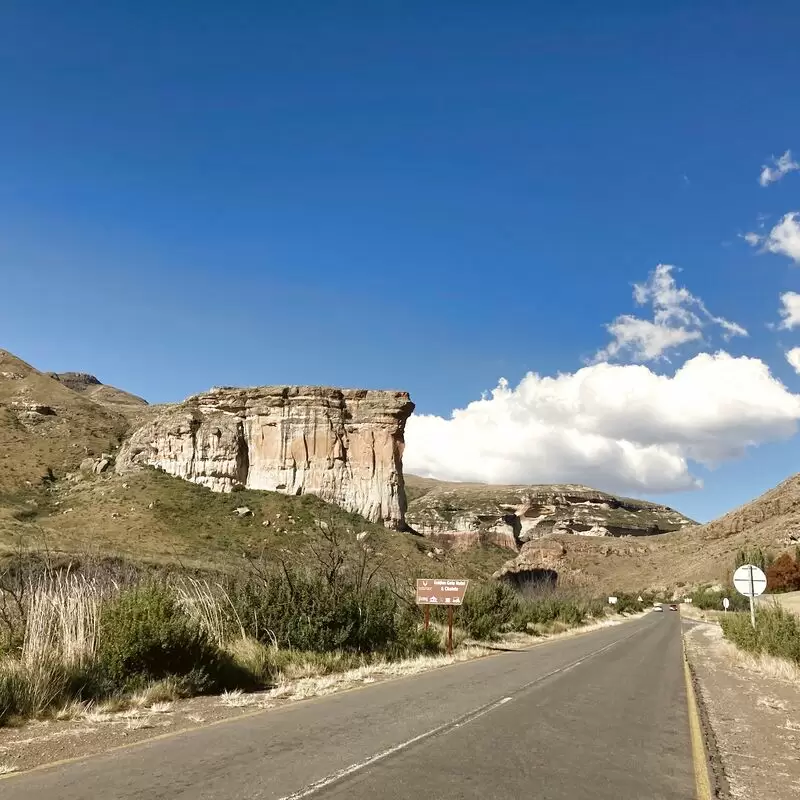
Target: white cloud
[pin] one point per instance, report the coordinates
(790, 311)
(793, 357)
(781, 166)
(619, 427)
(678, 318)
(783, 239)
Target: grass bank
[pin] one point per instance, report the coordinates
(116, 640)
(776, 635)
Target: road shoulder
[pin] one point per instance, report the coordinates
(754, 716)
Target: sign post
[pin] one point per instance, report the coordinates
(441, 592)
(449, 630)
(750, 581)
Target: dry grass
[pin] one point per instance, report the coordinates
(163, 691)
(211, 608)
(7, 769)
(63, 618)
(559, 630)
(762, 664)
(139, 723)
(237, 699)
(299, 688)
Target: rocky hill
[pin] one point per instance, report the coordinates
(466, 514)
(46, 428)
(693, 555)
(109, 396)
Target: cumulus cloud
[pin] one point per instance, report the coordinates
(790, 311)
(783, 239)
(678, 317)
(793, 357)
(780, 167)
(619, 427)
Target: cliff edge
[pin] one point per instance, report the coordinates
(342, 445)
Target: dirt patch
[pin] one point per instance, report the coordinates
(753, 707)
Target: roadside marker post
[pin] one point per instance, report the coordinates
(441, 592)
(750, 581)
(449, 630)
(725, 604)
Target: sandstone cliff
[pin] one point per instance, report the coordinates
(343, 445)
(512, 515)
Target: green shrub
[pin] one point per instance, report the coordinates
(777, 632)
(301, 611)
(706, 599)
(145, 636)
(488, 609)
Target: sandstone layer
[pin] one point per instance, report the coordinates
(343, 445)
(512, 515)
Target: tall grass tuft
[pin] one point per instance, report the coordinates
(210, 608)
(62, 620)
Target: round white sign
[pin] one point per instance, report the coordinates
(725, 603)
(749, 580)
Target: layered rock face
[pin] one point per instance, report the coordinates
(343, 445)
(512, 515)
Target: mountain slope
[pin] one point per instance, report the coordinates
(694, 555)
(46, 428)
(109, 396)
(513, 515)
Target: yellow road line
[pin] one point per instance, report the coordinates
(699, 757)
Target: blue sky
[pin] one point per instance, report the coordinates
(392, 194)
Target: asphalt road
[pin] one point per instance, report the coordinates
(601, 715)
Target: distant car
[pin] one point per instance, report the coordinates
(673, 607)
(657, 608)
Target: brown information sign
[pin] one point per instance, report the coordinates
(441, 591)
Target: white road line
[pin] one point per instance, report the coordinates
(459, 722)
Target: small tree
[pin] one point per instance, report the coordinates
(783, 574)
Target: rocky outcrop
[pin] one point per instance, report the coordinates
(512, 515)
(537, 562)
(343, 445)
(108, 396)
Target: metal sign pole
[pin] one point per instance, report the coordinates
(427, 616)
(752, 600)
(449, 630)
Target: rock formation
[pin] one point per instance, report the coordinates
(343, 445)
(108, 396)
(512, 515)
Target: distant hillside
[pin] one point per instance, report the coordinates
(696, 554)
(46, 428)
(109, 396)
(519, 514)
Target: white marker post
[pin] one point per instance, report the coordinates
(725, 604)
(750, 581)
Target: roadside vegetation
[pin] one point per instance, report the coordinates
(111, 634)
(777, 633)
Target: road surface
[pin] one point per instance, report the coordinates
(602, 715)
